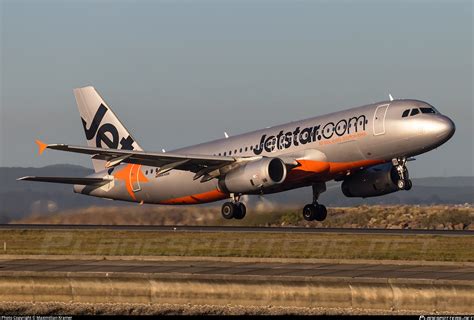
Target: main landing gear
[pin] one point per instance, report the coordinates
(234, 209)
(316, 211)
(403, 183)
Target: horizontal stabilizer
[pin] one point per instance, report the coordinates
(81, 181)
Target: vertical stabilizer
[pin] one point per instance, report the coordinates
(102, 127)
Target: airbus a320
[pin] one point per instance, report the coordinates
(366, 148)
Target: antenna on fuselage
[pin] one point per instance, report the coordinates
(390, 97)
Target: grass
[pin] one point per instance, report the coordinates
(262, 245)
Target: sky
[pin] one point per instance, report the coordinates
(179, 73)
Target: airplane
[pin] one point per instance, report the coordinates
(367, 148)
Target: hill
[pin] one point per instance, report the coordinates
(20, 198)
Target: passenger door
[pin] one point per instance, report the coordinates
(379, 119)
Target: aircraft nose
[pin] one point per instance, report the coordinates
(445, 128)
(440, 128)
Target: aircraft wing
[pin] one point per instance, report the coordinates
(67, 180)
(205, 166)
(187, 162)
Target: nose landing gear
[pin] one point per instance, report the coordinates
(316, 211)
(234, 209)
(403, 183)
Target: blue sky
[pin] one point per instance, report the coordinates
(183, 72)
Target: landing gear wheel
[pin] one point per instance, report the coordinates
(315, 211)
(401, 184)
(228, 210)
(235, 210)
(408, 184)
(321, 212)
(309, 212)
(240, 211)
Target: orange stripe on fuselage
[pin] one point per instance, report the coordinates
(340, 167)
(205, 197)
(325, 169)
(306, 169)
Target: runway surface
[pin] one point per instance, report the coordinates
(161, 228)
(431, 272)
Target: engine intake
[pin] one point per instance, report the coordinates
(371, 182)
(254, 176)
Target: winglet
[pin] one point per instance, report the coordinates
(41, 146)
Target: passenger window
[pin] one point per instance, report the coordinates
(224, 154)
(414, 112)
(230, 152)
(251, 147)
(246, 148)
(240, 150)
(235, 151)
(427, 110)
(405, 113)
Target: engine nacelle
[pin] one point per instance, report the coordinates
(371, 182)
(254, 176)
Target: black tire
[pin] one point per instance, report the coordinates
(408, 185)
(321, 213)
(228, 210)
(240, 211)
(401, 184)
(309, 212)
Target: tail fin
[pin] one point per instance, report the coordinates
(102, 127)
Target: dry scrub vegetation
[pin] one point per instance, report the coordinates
(134, 309)
(457, 217)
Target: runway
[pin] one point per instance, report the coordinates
(242, 269)
(236, 229)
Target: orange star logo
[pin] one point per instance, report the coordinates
(132, 175)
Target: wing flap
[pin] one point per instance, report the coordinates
(69, 180)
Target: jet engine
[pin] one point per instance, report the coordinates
(372, 182)
(254, 176)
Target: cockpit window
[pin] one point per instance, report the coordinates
(427, 110)
(405, 113)
(414, 111)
